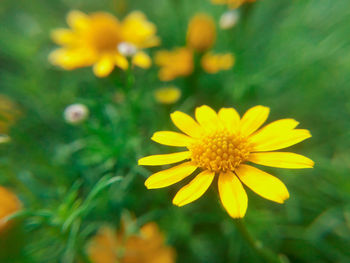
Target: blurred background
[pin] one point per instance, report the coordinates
(292, 56)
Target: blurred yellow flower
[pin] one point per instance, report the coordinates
(201, 36)
(8, 115)
(213, 63)
(167, 95)
(176, 63)
(94, 40)
(9, 204)
(201, 32)
(231, 3)
(220, 144)
(148, 247)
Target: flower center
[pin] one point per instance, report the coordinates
(220, 151)
(104, 35)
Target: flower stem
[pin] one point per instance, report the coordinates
(266, 254)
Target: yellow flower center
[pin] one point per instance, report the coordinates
(220, 151)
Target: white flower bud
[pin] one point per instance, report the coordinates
(229, 19)
(76, 113)
(127, 49)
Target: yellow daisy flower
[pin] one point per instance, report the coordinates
(109, 246)
(99, 39)
(9, 204)
(213, 63)
(221, 144)
(232, 3)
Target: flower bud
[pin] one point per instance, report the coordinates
(229, 19)
(201, 33)
(76, 113)
(167, 95)
(9, 204)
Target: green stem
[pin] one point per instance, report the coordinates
(266, 254)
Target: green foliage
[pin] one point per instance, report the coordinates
(293, 56)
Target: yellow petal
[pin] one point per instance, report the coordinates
(171, 138)
(232, 194)
(195, 189)
(142, 60)
(206, 116)
(63, 36)
(163, 159)
(213, 63)
(230, 118)
(281, 160)
(253, 119)
(186, 124)
(276, 127)
(263, 183)
(167, 94)
(280, 141)
(77, 20)
(170, 176)
(72, 58)
(104, 66)
(121, 61)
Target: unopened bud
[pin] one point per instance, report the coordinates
(76, 113)
(229, 19)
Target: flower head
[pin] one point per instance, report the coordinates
(94, 40)
(167, 95)
(201, 32)
(76, 113)
(9, 204)
(148, 247)
(175, 63)
(213, 63)
(229, 19)
(221, 144)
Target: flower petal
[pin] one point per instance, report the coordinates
(279, 141)
(275, 127)
(206, 116)
(77, 20)
(195, 189)
(253, 119)
(170, 176)
(121, 62)
(104, 66)
(171, 138)
(142, 60)
(163, 159)
(232, 194)
(262, 183)
(230, 118)
(281, 160)
(186, 124)
(63, 36)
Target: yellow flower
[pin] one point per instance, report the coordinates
(213, 63)
(9, 204)
(221, 144)
(167, 95)
(232, 3)
(148, 247)
(201, 36)
(94, 39)
(201, 32)
(176, 63)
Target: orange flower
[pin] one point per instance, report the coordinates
(201, 32)
(107, 246)
(201, 36)
(9, 204)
